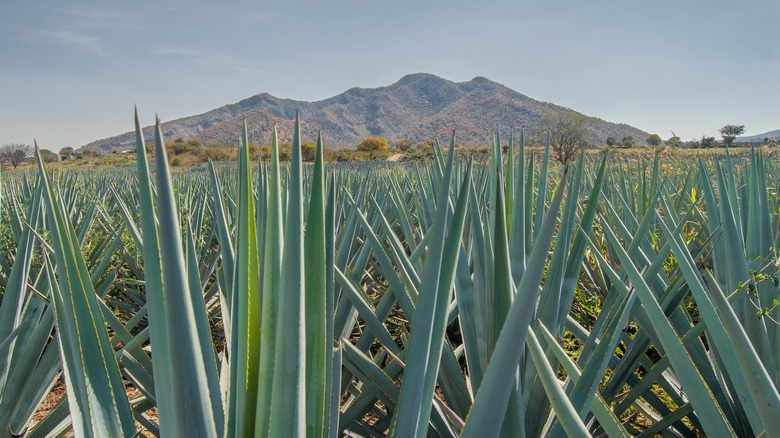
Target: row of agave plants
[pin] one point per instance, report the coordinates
(451, 298)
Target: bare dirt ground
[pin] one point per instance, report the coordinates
(58, 391)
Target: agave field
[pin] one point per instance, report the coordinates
(511, 298)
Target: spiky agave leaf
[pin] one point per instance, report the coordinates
(96, 395)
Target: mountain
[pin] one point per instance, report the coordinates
(418, 107)
(759, 138)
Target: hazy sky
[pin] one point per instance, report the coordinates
(70, 72)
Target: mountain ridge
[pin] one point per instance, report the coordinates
(758, 137)
(418, 107)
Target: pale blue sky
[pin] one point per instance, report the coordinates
(70, 72)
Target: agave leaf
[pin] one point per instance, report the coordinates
(245, 307)
(607, 419)
(551, 304)
(566, 413)
(574, 261)
(24, 328)
(317, 342)
(96, 397)
(153, 281)
(56, 423)
(196, 408)
(500, 299)
(429, 321)
(272, 271)
(484, 420)
(226, 245)
(288, 395)
(700, 395)
(517, 218)
(541, 196)
(742, 362)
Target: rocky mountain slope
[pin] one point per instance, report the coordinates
(418, 107)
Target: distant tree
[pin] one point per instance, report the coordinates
(628, 141)
(254, 151)
(308, 151)
(66, 152)
(674, 141)
(693, 144)
(708, 142)
(285, 152)
(424, 147)
(16, 153)
(403, 145)
(177, 148)
(369, 144)
(770, 140)
(219, 154)
(731, 132)
(265, 153)
(49, 156)
(611, 141)
(654, 140)
(568, 133)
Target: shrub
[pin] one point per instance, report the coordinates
(373, 144)
(403, 145)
